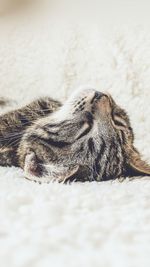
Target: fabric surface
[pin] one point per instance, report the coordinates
(90, 224)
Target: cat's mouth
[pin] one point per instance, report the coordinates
(36, 171)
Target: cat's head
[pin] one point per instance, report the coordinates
(89, 138)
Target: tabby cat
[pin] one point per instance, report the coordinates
(89, 138)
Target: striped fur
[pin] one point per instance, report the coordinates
(87, 138)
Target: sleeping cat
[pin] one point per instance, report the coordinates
(88, 138)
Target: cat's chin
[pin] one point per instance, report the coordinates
(45, 173)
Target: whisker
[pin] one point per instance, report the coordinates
(11, 136)
(34, 110)
(16, 142)
(10, 144)
(17, 125)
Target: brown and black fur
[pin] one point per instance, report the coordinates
(88, 138)
(14, 123)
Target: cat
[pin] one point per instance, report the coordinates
(88, 138)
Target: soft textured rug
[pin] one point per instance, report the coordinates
(92, 224)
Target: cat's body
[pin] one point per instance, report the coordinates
(87, 138)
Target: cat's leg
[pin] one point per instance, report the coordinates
(19, 119)
(13, 124)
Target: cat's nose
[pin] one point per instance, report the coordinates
(98, 95)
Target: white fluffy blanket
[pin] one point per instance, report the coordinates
(92, 224)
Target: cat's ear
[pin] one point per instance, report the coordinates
(136, 165)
